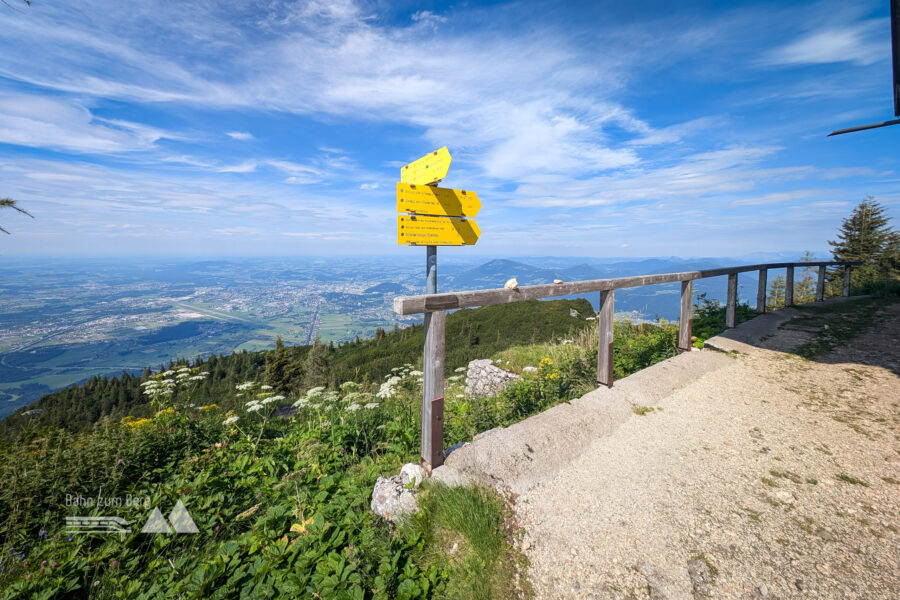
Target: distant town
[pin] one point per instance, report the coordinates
(63, 322)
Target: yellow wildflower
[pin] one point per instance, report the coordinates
(301, 527)
(210, 407)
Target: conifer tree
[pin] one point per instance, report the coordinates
(867, 236)
(10, 203)
(805, 284)
(776, 293)
(316, 367)
(276, 367)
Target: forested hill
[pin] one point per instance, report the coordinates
(471, 334)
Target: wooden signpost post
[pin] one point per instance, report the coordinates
(431, 216)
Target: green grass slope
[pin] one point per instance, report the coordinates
(470, 334)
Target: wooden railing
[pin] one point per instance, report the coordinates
(435, 305)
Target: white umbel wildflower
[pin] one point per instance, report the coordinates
(387, 388)
(354, 407)
(230, 421)
(372, 405)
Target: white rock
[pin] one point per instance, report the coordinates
(785, 496)
(412, 473)
(392, 501)
(557, 281)
(449, 476)
(512, 284)
(484, 379)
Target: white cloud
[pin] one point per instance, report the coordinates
(566, 117)
(48, 122)
(779, 197)
(427, 17)
(242, 136)
(320, 235)
(729, 170)
(861, 43)
(237, 230)
(248, 166)
(513, 101)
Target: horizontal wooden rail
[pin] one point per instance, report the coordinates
(434, 305)
(411, 305)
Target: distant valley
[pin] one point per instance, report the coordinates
(62, 322)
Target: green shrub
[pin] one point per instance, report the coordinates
(885, 288)
(709, 318)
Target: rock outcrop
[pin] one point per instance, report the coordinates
(486, 379)
(394, 498)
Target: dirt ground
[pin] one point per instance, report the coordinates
(772, 476)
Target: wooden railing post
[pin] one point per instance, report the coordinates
(731, 303)
(761, 291)
(433, 390)
(686, 316)
(789, 287)
(605, 321)
(846, 291)
(820, 285)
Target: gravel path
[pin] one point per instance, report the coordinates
(766, 476)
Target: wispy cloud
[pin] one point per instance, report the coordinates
(563, 120)
(862, 43)
(248, 166)
(47, 122)
(242, 136)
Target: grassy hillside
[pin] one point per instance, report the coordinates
(281, 505)
(471, 334)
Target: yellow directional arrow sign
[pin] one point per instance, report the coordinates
(431, 168)
(414, 230)
(430, 200)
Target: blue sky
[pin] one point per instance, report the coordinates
(597, 128)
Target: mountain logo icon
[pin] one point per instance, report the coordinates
(180, 520)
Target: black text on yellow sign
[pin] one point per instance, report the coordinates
(415, 230)
(430, 200)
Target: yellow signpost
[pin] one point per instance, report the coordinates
(416, 230)
(427, 170)
(431, 216)
(431, 200)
